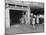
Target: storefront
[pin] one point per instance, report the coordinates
(22, 13)
(17, 14)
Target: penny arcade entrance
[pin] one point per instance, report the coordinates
(24, 14)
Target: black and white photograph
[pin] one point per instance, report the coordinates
(23, 17)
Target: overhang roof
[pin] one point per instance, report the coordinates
(25, 3)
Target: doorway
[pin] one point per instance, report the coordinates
(15, 16)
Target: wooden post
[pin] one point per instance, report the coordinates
(7, 18)
(27, 17)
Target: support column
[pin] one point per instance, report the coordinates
(7, 18)
(28, 16)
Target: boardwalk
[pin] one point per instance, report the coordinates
(24, 29)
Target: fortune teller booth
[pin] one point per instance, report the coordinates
(23, 13)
